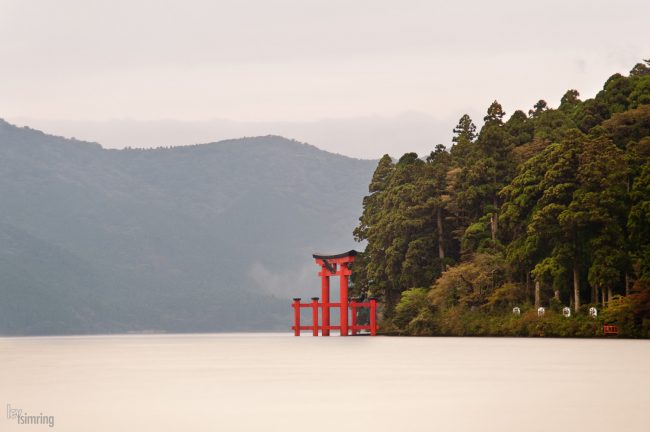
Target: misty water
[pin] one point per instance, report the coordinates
(277, 382)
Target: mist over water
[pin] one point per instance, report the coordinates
(277, 382)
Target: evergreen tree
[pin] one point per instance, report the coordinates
(520, 128)
(465, 130)
(639, 223)
(496, 152)
(570, 101)
(372, 203)
(463, 139)
(538, 108)
(600, 209)
(438, 166)
(363, 282)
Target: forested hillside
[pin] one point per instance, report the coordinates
(210, 237)
(546, 208)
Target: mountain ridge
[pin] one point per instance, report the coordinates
(205, 237)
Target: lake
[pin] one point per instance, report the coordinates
(277, 382)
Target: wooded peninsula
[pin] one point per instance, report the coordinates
(546, 209)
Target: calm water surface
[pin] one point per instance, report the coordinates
(267, 382)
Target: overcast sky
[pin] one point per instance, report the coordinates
(356, 77)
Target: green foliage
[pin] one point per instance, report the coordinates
(550, 271)
(553, 125)
(464, 322)
(477, 236)
(631, 313)
(399, 223)
(463, 139)
(413, 313)
(570, 101)
(520, 128)
(538, 108)
(506, 296)
(558, 200)
(469, 284)
(638, 223)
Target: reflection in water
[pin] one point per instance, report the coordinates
(267, 382)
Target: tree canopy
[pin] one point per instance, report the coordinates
(550, 207)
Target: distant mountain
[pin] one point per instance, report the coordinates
(212, 237)
(353, 136)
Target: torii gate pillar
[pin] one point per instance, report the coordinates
(325, 296)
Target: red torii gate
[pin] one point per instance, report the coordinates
(335, 265)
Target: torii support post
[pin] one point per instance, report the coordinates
(325, 295)
(373, 316)
(314, 312)
(296, 316)
(353, 311)
(344, 301)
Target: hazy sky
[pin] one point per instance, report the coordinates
(356, 77)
